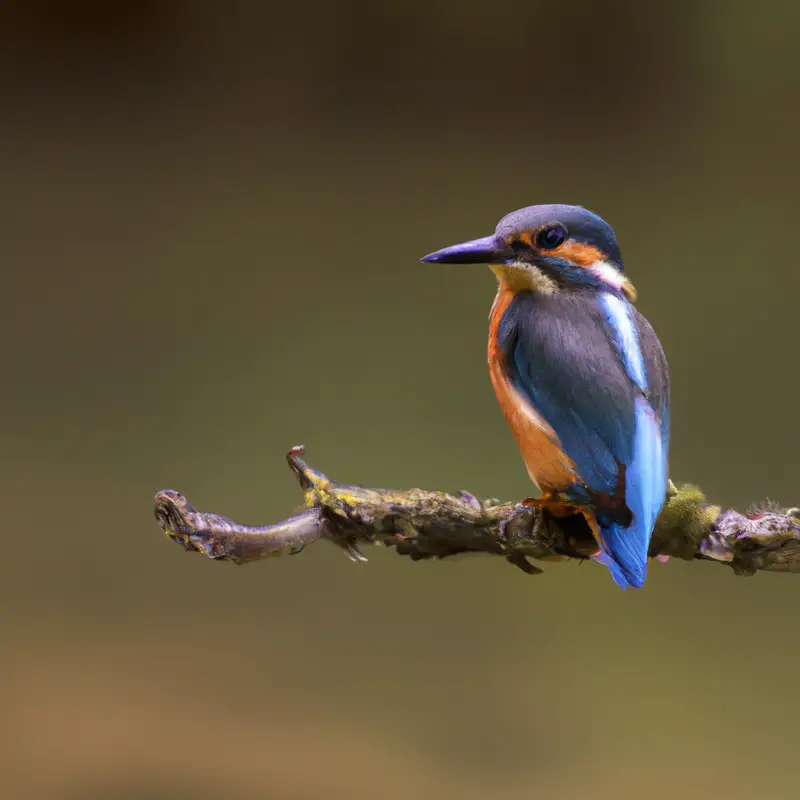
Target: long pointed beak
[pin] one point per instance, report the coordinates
(488, 250)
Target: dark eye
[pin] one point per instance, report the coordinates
(551, 237)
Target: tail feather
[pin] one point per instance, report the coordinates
(625, 548)
(616, 571)
(625, 555)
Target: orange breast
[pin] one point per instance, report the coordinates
(548, 466)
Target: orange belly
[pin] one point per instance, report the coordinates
(547, 464)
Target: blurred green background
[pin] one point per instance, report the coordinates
(211, 220)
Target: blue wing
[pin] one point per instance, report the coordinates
(592, 367)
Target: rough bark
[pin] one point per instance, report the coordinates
(426, 524)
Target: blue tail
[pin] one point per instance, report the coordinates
(625, 557)
(624, 550)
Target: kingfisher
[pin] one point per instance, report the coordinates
(580, 375)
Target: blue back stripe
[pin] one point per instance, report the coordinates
(618, 315)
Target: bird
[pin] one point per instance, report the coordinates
(580, 375)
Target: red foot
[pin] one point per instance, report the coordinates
(561, 507)
(555, 504)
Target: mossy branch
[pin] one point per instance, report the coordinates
(424, 524)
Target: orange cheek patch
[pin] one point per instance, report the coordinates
(578, 253)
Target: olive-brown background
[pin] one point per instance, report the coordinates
(211, 216)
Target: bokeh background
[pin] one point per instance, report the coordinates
(211, 220)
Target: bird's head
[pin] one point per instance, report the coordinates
(547, 248)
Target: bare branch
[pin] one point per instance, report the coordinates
(424, 524)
